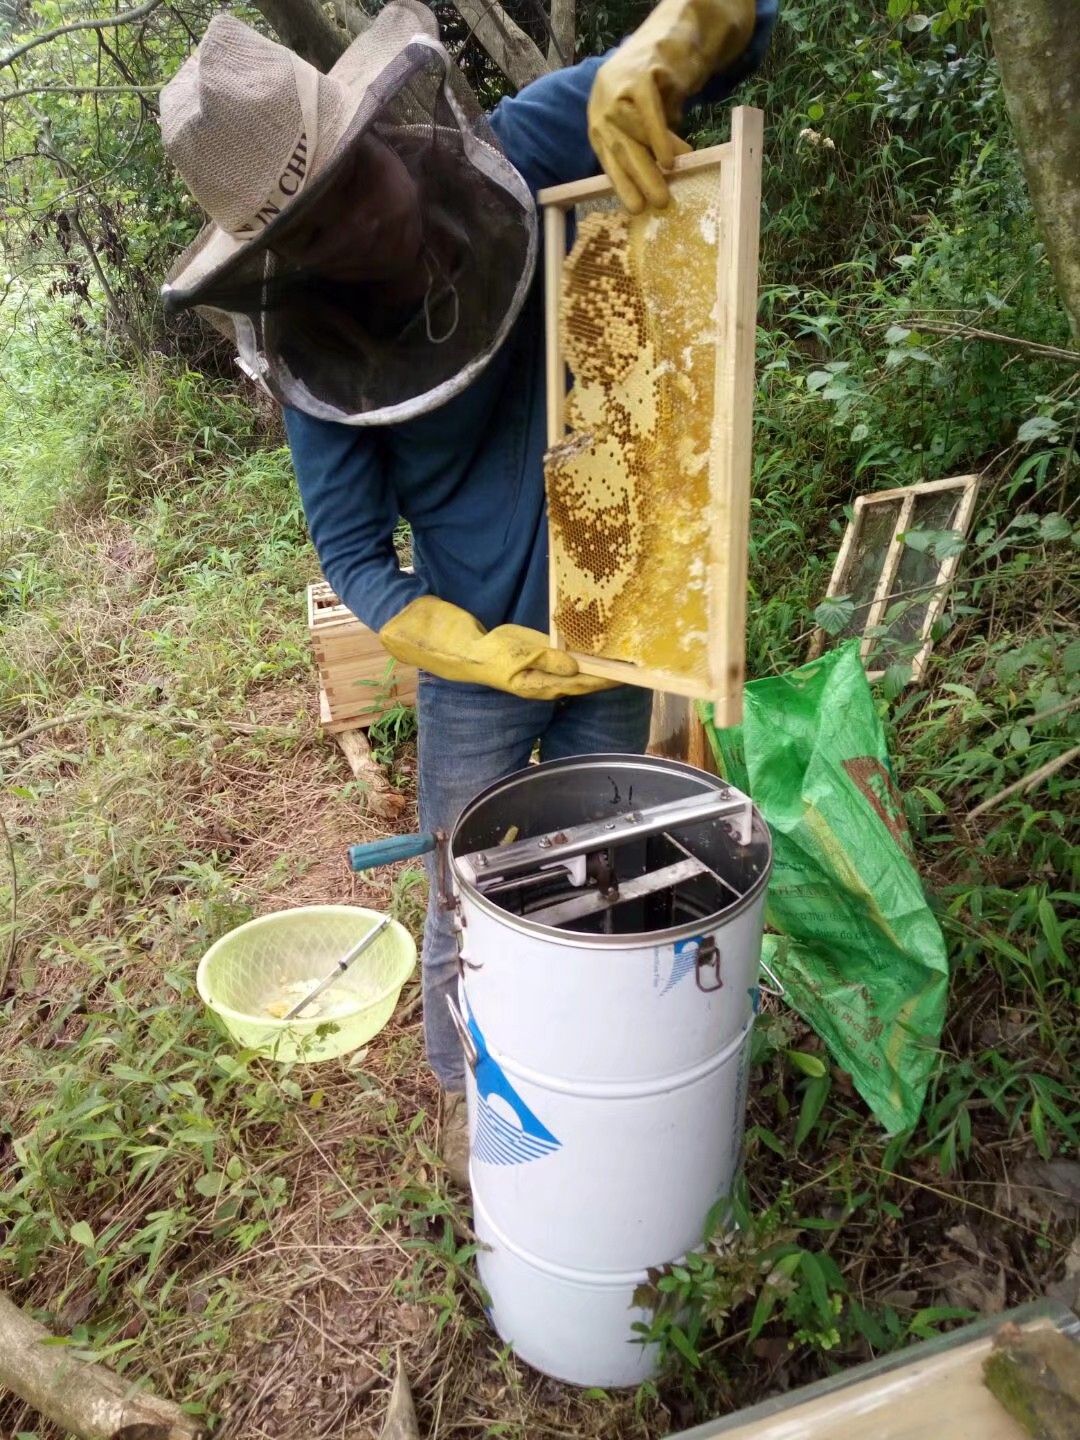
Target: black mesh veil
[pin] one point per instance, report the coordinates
(435, 280)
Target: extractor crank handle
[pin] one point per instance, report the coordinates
(394, 847)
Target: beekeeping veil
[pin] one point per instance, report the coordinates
(390, 148)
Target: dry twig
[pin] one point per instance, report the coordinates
(9, 958)
(117, 712)
(1027, 782)
(957, 330)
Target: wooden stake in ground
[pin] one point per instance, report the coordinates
(400, 1422)
(382, 800)
(83, 1399)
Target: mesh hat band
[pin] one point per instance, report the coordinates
(293, 176)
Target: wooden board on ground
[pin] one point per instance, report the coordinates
(898, 591)
(938, 1393)
(648, 466)
(358, 681)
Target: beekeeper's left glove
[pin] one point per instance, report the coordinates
(447, 641)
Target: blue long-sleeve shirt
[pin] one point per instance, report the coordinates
(468, 477)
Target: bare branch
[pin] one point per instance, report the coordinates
(82, 1399)
(959, 331)
(79, 90)
(305, 27)
(1028, 782)
(507, 44)
(354, 18)
(563, 33)
(110, 22)
(13, 935)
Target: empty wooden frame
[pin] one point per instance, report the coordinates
(898, 591)
(648, 465)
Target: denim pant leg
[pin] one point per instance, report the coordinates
(469, 737)
(609, 720)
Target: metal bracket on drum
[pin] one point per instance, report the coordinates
(708, 956)
(465, 1035)
(590, 902)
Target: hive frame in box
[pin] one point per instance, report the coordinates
(883, 592)
(358, 680)
(739, 165)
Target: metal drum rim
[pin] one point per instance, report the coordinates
(590, 1279)
(617, 1090)
(576, 940)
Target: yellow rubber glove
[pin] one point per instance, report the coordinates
(451, 643)
(638, 94)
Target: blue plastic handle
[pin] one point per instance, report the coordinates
(385, 852)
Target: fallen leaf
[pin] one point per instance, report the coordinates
(1040, 1190)
(1067, 1290)
(400, 1421)
(963, 1236)
(972, 1287)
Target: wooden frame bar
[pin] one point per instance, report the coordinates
(739, 165)
(598, 187)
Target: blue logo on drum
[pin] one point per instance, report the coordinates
(684, 962)
(507, 1131)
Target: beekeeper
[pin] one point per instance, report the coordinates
(372, 253)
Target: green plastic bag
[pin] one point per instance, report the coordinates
(861, 956)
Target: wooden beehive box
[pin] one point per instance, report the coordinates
(358, 681)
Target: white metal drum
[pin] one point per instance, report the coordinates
(570, 1324)
(608, 1058)
(606, 1176)
(615, 1011)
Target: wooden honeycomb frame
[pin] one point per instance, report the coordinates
(967, 488)
(717, 674)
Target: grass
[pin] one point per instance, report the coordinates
(261, 1242)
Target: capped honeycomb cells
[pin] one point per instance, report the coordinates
(628, 491)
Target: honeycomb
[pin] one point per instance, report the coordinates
(630, 501)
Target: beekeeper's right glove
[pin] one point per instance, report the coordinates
(640, 90)
(449, 642)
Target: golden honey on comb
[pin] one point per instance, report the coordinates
(629, 490)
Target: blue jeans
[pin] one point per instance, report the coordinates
(469, 738)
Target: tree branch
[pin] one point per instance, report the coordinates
(353, 17)
(1028, 782)
(959, 331)
(305, 27)
(1037, 46)
(79, 90)
(110, 22)
(507, 44)
(9, 958)
(83, 1399)
(563, 33)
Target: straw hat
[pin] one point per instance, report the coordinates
(249, 125)
(260, 137)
